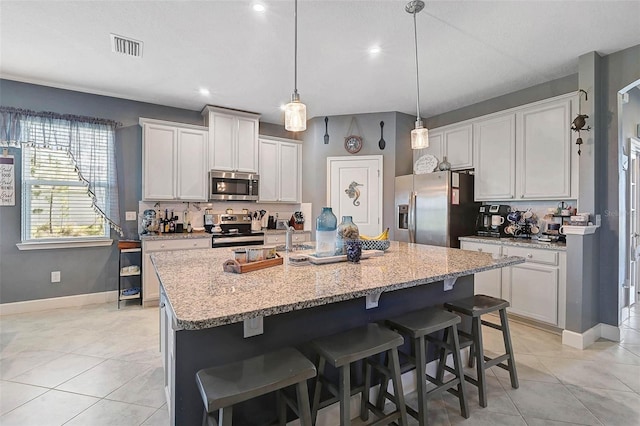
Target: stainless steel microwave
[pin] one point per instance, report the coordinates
(233, 186)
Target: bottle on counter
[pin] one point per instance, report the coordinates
(326, 225)
(347, 230)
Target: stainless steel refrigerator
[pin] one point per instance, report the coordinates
(435, 208)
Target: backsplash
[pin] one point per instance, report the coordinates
(539, 208)
(196, 210)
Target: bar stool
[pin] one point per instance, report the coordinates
(418, 326)
(341, 350)
(224, 386)
(475, 307)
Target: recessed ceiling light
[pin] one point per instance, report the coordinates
(204, 91)
(259, 7)
(374, 50)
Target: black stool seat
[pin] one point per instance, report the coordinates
(477, 305)
(223, 386)
(419, 326)
(345, 348)
(356, 344)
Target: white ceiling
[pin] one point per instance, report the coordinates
(469, 50)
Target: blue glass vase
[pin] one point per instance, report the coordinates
(326, 225)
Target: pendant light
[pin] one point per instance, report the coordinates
(419, 135)
(295, 112)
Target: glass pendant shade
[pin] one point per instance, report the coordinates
(419, 137)
(295, 116)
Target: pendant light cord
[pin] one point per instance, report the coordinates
(295, 48)
(415, 37)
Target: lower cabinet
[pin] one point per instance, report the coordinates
(167, 352)
(296, 238)
(150, 283)
(535, 289)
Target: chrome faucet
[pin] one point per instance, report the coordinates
(288, 243)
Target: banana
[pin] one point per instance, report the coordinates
(383, 236)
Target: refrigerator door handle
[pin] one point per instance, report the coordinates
(412, 217)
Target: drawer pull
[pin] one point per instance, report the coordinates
(529, 255)
(480, 249)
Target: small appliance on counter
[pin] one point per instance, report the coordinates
(492, 220)
(297, 221)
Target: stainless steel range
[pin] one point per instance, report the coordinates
(235, 231)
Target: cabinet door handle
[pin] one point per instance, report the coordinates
(522, 196)
(529, 255)
(480, 250)
(162, 305)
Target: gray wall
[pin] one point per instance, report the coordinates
(619, 70)
(26, 275)
(315, 153)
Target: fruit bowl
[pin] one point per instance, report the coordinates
(375, 244)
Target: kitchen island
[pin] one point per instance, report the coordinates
(206, 312)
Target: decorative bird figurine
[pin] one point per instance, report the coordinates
(579, 122)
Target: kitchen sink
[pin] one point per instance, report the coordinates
(296, 247)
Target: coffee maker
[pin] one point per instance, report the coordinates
(492, 220)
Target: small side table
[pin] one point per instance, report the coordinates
(129, 270)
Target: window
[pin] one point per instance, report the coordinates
(55, 202)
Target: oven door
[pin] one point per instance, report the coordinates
(249, 240)
(233, 186)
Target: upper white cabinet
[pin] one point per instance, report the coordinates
(543, 149)
(525, 153)
(280, 170)
(174, 161)
(233, 139)
(458, 146)
(495, 157)
(435, 147)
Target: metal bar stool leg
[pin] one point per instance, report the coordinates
(506, 336)
(479, 359)
(457, 364)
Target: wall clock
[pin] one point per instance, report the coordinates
(353, 144)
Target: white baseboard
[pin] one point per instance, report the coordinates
(57, 302)
(586, 339)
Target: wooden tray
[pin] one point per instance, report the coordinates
(240, 268)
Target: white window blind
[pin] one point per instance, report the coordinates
(55, 202)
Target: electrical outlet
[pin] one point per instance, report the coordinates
(130, 216)
(55, 276)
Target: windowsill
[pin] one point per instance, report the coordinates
(46, 245)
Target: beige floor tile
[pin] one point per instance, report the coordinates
(14, 364)
(436, 409)
(532, 421)
(627, 374)
(528, 367)
(146, 389)
(104, 378)
(551, 401)
(612, 408)
(13, 395)
(498, 400)
(634, 349)
(487, 418)
(584, 373)
(58, 371)
(629, 336)
(51, 408)
(112, 413)
(159, 418)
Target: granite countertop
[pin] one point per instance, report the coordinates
(203, 296)
(174, 236)
(517, 242)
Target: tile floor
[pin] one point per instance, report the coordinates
(96, 365)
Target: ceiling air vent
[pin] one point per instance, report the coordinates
(126, 46)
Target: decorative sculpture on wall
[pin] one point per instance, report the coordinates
(354, 192)
(579, 122)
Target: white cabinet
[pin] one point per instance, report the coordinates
(150, 282)
(495, 158)
(174, 165)
(233, 139)
(526, 153)
(543, 149)
(458, 146)
(536, 289)
(487, 282)
(280, 238)
(280, 170)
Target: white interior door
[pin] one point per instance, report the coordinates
(354, 188)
